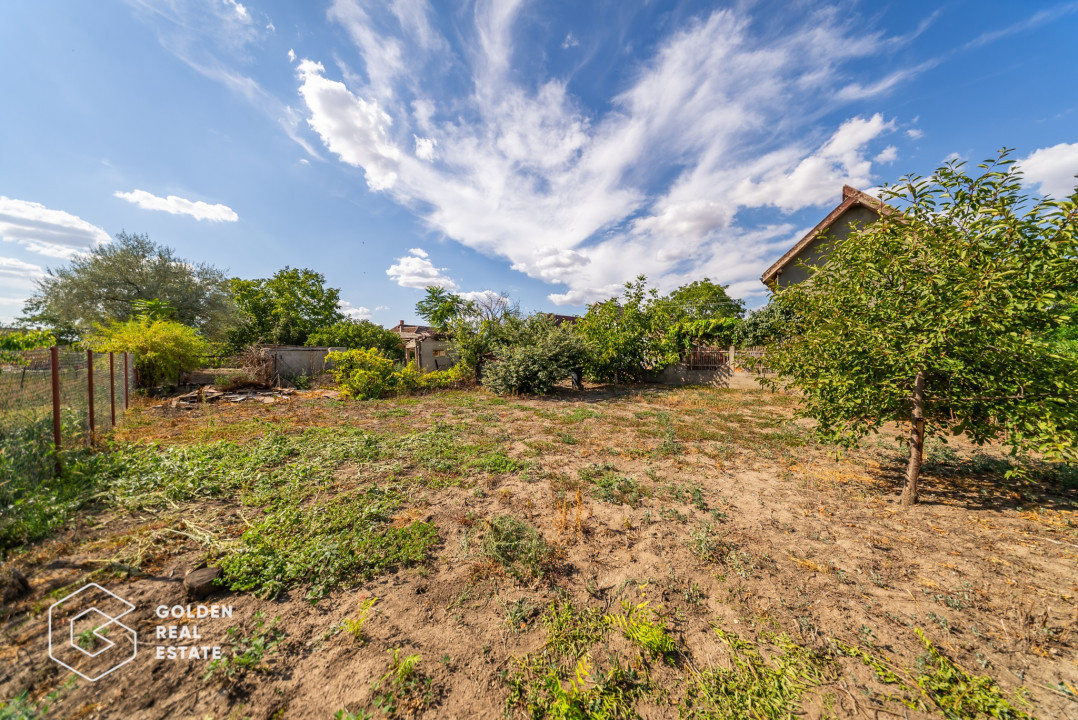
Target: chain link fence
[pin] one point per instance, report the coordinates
(55, 402)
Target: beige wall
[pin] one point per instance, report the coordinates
(816, 251)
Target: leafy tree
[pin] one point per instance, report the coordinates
(284, 309)
(703, 299)
(533, 354)
(358, 334)
(163, 348)
(943, 315)
(105, 284)
(439, 307)
(628, 337)
(765, 325)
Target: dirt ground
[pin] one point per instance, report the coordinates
(711, 506)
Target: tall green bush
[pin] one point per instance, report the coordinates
(532, 355)
(628, 336)
(163, 348)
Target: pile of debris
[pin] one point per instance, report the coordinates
(210, 394)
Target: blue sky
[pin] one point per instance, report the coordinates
(549, 150)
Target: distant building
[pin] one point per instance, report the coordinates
(425, 347)
(856, 209)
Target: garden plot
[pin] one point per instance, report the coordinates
(634, 553)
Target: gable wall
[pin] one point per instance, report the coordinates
(816, 252)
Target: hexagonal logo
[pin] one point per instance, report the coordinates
(86, 635)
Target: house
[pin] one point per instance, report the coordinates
(857, 209)
(425, 346)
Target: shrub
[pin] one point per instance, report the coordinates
(163, 348)
(368, 374)
(533, 357)
(362, 374)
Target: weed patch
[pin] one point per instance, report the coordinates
(611, 487)
(346, 540)
(754, 687)
(518, 548)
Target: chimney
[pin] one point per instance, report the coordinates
(401, 325)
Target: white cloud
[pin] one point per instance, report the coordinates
(424, 148)
(915, 133)
(52, 233)
(291, 55)
(351, 311)
(710, 125)
(17, 282)
(814, 180)
(238, 10)
(488, 297)
(569, 42)
(888, 155)
(415, 270)
(176, 205)
(1053, 169)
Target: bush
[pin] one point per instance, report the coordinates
(368, 374)
(534, 356)
(362, 374)
(163, 348)
(628, 337)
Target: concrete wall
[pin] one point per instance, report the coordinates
(286, 361)
(717, 377)
(434, 355)
(816, 251)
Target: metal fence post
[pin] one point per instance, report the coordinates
(54, 358)
(112, 388)
(127, 381)
(90, 392)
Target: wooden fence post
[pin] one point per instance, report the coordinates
(731, 357)
(127, 381)
(90, 392)
(54, 358)
(112, 387)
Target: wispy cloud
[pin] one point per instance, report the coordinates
(703, 130)
(214, 38)
(47, 232)
(1036, 20)
(179, 206)
(415, 270)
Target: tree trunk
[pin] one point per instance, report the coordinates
(917, 440)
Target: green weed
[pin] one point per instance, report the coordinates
(612, 487)
(940, 684)
(754, 687)
(402, 688)
(247, 653)
(355, 625)
(518, 548)
(644, 627)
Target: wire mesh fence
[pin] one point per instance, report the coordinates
(55, 402)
